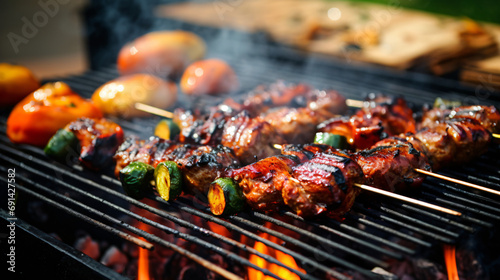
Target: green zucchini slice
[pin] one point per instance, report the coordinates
(136, 179)
(168, 180)
(225, 197)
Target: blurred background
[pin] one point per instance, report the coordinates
(62, 37)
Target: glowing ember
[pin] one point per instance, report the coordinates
(451, 263)
(285, 259)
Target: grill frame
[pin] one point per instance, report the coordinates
(386, 219)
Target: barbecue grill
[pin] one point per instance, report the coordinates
(378, 235)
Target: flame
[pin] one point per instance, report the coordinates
(143, 262)
(451, 262)
(274, 268)
(222, 230)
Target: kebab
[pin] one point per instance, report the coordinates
(316, 179)
(252, 127)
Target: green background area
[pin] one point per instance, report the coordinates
(480, 10)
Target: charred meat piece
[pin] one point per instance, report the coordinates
(391, 168)
(326, 185)
(279, 94)
(99, 139)
(310, 179)
(200, 165)
(250, 138)
(203, 130)
(487, 116)
(391, 112)
(263, 181)
(297, 125)
(304, 152)
(453, 141)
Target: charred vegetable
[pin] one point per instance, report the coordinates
(334, 140)
(61, 144)
(95, 141)
(225, 197)
(136, 179)
(167, 129)
(168, 180)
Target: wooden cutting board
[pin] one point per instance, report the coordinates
(385, 35)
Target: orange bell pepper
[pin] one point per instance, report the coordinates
(38, 116)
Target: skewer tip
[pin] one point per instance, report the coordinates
(153, 110)
(457, 181)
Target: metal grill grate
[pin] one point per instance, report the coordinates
(369, 237)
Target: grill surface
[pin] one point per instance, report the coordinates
(375, 233)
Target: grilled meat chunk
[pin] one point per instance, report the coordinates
(297, 125)
(326, 185)
(200, 165)
(98, 138)
(392, 112)
(280, 94)
(309, 179)
(391, 168)
(263, 181)
(454, 141)
(204, 130)
(487, 116)
(250, 138)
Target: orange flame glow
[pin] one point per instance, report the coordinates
(451, 262)
(276, 269)
(143, 262)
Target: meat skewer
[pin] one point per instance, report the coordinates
(455, 135)
(319, 180)
(394, 116)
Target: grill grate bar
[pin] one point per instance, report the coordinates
(318, 238)
(437, 217)
(473, 179)
(478, 197)
(119, 233)
(475, 203)
(417, 221)
(369, 222)
(416, 229)
(406, 217)
(358, 232)
(404, 224)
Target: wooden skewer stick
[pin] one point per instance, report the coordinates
(443, 177)
(154, 110)
(409, 199)
(355, 103)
